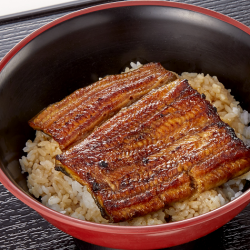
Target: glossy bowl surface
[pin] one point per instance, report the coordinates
(73, 51)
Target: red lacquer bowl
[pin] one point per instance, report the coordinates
(74, 50)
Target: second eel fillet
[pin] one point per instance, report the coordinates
(164, 148)
(75, 117)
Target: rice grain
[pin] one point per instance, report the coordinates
(61, 193)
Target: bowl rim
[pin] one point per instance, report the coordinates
(49, 213)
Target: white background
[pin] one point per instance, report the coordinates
(8, 7)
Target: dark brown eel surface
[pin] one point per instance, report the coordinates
(75, 117)
(163, 148)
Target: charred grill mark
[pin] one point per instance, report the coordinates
(103, 164)
(203, 96)
(95, 186)
(61, 169)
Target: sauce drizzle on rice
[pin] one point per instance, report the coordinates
(67, 196)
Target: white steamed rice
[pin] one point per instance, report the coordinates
(67, 196)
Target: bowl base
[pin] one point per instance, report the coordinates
(210, 241)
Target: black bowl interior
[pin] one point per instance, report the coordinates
(76, 52)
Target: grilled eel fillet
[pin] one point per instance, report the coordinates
(74, 117)
(164, 148)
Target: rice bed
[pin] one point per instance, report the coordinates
(67, 196)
